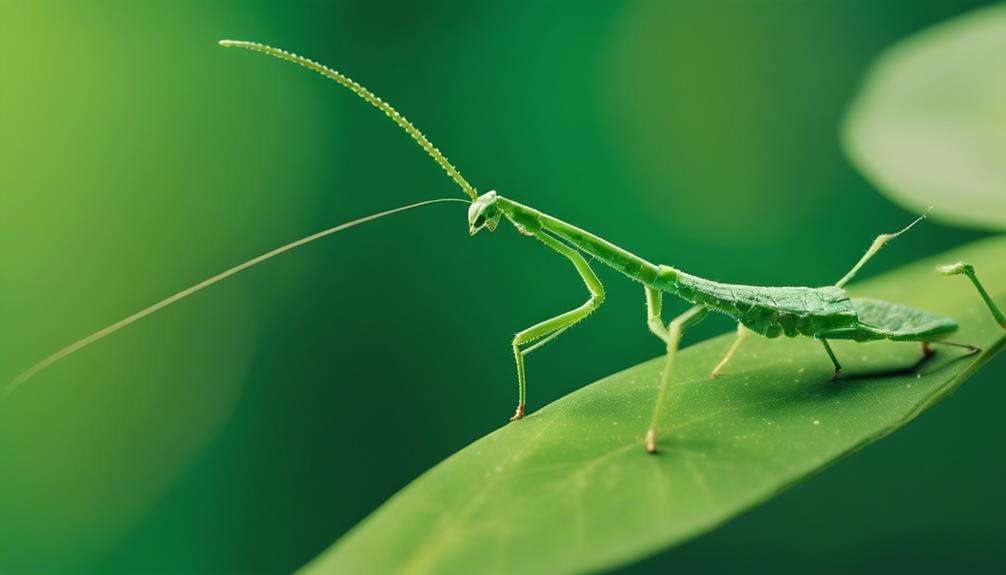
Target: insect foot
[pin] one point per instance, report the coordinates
(834, 376)
(519, 414)
(651, 441)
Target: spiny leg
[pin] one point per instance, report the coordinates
(654, 321)
(878, 243)
(743, 334)
(548, 330)
(961, 268)
(834, 360)
(672, 336)
(654, 307)
(551, 328)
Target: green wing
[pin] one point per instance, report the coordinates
(772, 311)
(885, 320)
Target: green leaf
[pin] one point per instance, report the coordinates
(929, 126)
(570, 489)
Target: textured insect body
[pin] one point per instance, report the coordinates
(531, 221)
(772, 311)
(824, 313)
(878, 319)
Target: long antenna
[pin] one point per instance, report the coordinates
(367, 95)
(107, 331)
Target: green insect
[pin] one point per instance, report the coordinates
(824, 313)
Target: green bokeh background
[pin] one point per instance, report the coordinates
(248, 428)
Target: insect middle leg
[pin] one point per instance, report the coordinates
(671, 335)
(551, 328)
(834, 360)
(743, 334)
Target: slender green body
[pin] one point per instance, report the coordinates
(768, 311)
(823, 313)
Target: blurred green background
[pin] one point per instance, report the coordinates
(248, 428)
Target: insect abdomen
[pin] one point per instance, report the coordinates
(771, 322)
(770, 311)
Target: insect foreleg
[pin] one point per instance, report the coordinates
(675, 329)
(743, 334)
(961, 268)
(551, 328)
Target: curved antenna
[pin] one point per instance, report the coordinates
(366, 95)
(107, 331)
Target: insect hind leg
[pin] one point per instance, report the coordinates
(927, 347)
(928, 352)
(961, 268)
(878, 243)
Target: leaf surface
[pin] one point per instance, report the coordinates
(929, 126)
(569, 489)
